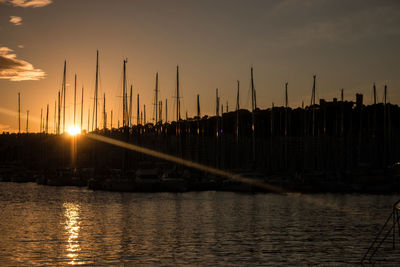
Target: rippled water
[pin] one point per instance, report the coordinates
(42, 225)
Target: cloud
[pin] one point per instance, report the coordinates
(27, 3)
(14, 69)
(21, 46)
(16, 20)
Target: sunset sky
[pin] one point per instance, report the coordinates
(347, 44)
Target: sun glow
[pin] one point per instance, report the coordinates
(74, 130)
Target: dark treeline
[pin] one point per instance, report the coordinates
(333, 136)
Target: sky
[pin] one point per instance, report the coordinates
(347, 44)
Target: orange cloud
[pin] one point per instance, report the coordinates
(28, 3)
(14, 69)
(16, 20)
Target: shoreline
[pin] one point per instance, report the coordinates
(151, 181)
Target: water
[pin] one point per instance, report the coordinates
(41, 225)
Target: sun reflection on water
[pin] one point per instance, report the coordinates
(72, 228)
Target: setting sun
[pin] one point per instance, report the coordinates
(74, 130)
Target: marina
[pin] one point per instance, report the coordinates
(199, 133)
(333, 146)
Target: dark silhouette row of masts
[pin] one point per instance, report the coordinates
(141, 115)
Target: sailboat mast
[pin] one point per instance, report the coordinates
(138, 115)
(124, 122)
(88, 121)
(160, 111)
(237, 112)
(130, 108)
(237, 96)
(19, 113)
(198, 105)
(82, 111)
(286, 108)
(64, 92)
(166, 110)
(96, 90)
(75, 101)
(104, 112)
(41, 120)
(313, 103)
(156, 100)
(385, 94)
(252, 114)
(47, 119)
(144, 114)
(55, 117)
(59, 113)
(178, 114)
(286, 96)
(216, 103)
(313, 92)
(252, 91)
(111, 121)
(27, 121)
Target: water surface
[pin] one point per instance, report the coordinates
(43, 225)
